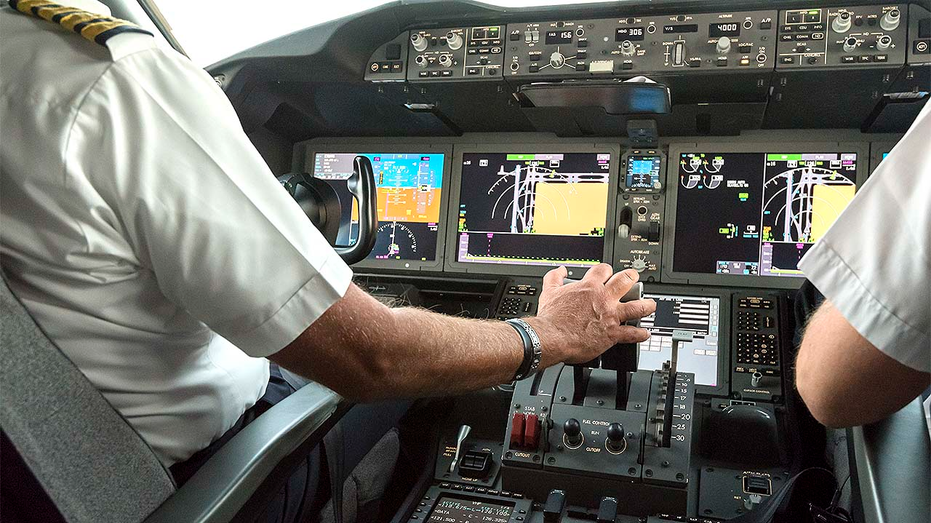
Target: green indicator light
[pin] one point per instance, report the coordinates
(724, 230)
(744, 196)
(521, 157)
(783, 157)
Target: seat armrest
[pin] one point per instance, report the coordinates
(891, 460)
(218, 491)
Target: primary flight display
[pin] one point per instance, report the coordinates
(757, 214)
(409, 194)
(533, 208)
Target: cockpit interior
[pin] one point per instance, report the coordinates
(456, 151)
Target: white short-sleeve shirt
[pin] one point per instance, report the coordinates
(874, 264)
(144, 232)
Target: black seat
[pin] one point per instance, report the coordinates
(68, 455)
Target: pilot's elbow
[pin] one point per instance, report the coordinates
(823, 406)
(372, 381)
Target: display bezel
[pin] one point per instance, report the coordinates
(453, 265)
(672, 193)
(436, 265)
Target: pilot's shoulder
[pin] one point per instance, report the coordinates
(120, 37)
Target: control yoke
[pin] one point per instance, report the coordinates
(321, 204)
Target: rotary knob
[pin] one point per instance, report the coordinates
(884, 42)
(573, 432)
(841, 23)
(627, 48)
(446, 60)
(724, 45)
(557, 60)
(850, 44)
(639, 265)
(616, 441)
(418, 41)
(890, 20)
(453, 40)
(421, 60)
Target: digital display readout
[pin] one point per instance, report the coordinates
(558, 37)
(628, 33)
(680, 28)
(724, 29)
(449, 509)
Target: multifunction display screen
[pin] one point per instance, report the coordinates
(544, 209)
(452, 509)
(757, 214)
(409, 195)
(643, 172)
(701, 316)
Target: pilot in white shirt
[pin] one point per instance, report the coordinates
(867, 350)
(112, 262)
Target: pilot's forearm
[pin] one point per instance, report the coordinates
(366, 351)
(845, 380)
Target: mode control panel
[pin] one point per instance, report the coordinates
(594, 47)
(842, 36)
(455, 53)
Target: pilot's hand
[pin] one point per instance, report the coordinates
(580, 321)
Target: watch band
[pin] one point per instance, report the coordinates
(533, 349)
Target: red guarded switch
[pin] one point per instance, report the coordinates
(517, 430)
(532, 432)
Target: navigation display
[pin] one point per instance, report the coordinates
(409, 189)
(450, 509)
(701, 316)
(533, 209)
(757, 214)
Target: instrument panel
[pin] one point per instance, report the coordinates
(733, 41)
(732, 213)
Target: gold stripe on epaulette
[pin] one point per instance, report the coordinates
(94, 27)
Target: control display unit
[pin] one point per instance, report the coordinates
(699, 315)
(458, 509)
(755, 214)
(409, 201)
(533, 209)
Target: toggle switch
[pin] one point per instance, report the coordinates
(607, 510)
(653, 233)
(554, 506)
(517, 430)
(531, 432)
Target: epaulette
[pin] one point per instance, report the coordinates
(94, 27)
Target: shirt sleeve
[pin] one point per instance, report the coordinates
(198, 205)
(874, 263)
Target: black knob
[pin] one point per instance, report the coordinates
(573, 430)
(615, 433)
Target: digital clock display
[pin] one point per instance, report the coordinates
(724, 29)
(558, 37)
(628, 33)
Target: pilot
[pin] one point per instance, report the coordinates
(150, 241)
(866, 351)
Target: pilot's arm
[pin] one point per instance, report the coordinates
(226, 244)
(866, 351)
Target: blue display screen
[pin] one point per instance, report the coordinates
(643, 171)
(409, 195)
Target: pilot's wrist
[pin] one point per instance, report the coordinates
(554, 350)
